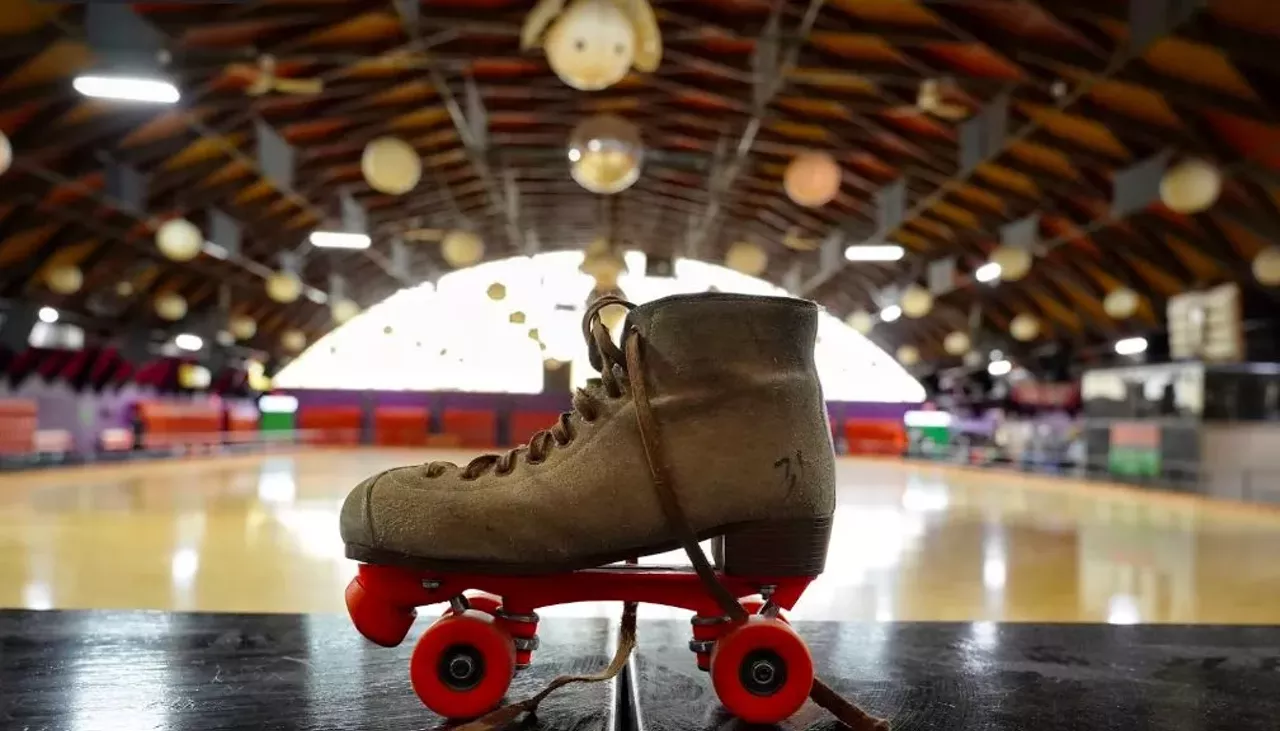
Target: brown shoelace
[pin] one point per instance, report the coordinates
(605, 357)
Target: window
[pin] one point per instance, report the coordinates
(452, 337)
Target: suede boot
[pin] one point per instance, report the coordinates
(738, 412)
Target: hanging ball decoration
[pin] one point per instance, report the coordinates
(1120, 303)
(861, 321)
(908, 355)
(1024, 327)
(293, 341)
(344, 310)
(179, 239)
(956, 343)
(390, 165)
(284, 287)
(462, 248)
(1191, 186)
(591, 45)
(242, 327)
(497, 291)
(1014, 262)
(516, 318)
(747, 257)
(6, 153)
(64, 279)
(812, 179)
(1266, 266)
(916, 301)
(225, 338)
(171, 306)
(124, 289)
(973, 359)
(605, 154)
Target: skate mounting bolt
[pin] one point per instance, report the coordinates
(530, 618)
(430, 584)
(526, 643)
(459, 604)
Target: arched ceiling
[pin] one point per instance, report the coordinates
(1082, 108)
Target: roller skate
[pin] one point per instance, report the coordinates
(708, 422)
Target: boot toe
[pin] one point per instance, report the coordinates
(356, 520)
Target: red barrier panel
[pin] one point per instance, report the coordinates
(874, 436)
(170, 424)
(400, 426)
(330, 424)
(525, 423)
(242, 425)
(472, 428)
(17, 426)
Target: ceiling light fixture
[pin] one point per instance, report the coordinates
(1131, 346)
(340, 240)
(48, 315)
(877, 252)
(988, 272)
(188, 342)
(890, 313)
(999, 368)
(127, 88)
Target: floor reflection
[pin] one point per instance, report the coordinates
(910, 543)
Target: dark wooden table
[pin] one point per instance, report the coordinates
(135, 671)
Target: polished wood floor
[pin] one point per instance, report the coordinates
(911, 543)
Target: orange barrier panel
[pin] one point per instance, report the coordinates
(473, 428)
(17, 426)
(175, 424)
(330, 424)
(875, 436)
(242, 425)
(400, 426)
(525, 423)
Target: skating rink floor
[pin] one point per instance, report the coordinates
(259, 534)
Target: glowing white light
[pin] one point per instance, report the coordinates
(999, 367)
(188, 342)
(1131, 346)
(127, 88)
(890, 313)
(339, 240)
(988, 272)
(275, 403)
(879, 252)
(49, 315)
(926, 418)
(1123, 609)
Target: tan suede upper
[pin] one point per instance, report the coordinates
(743, 424)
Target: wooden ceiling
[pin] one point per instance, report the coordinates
(1082, 106)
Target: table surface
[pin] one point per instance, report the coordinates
(144, 670)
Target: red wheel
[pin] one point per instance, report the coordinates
(480, 600)
(753, 605)
(762, 670)
(380, 623)
(462, 665)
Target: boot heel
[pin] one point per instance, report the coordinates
(776, 548)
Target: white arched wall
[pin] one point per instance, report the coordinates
(451, 337)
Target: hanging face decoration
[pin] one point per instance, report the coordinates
(592, 44)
